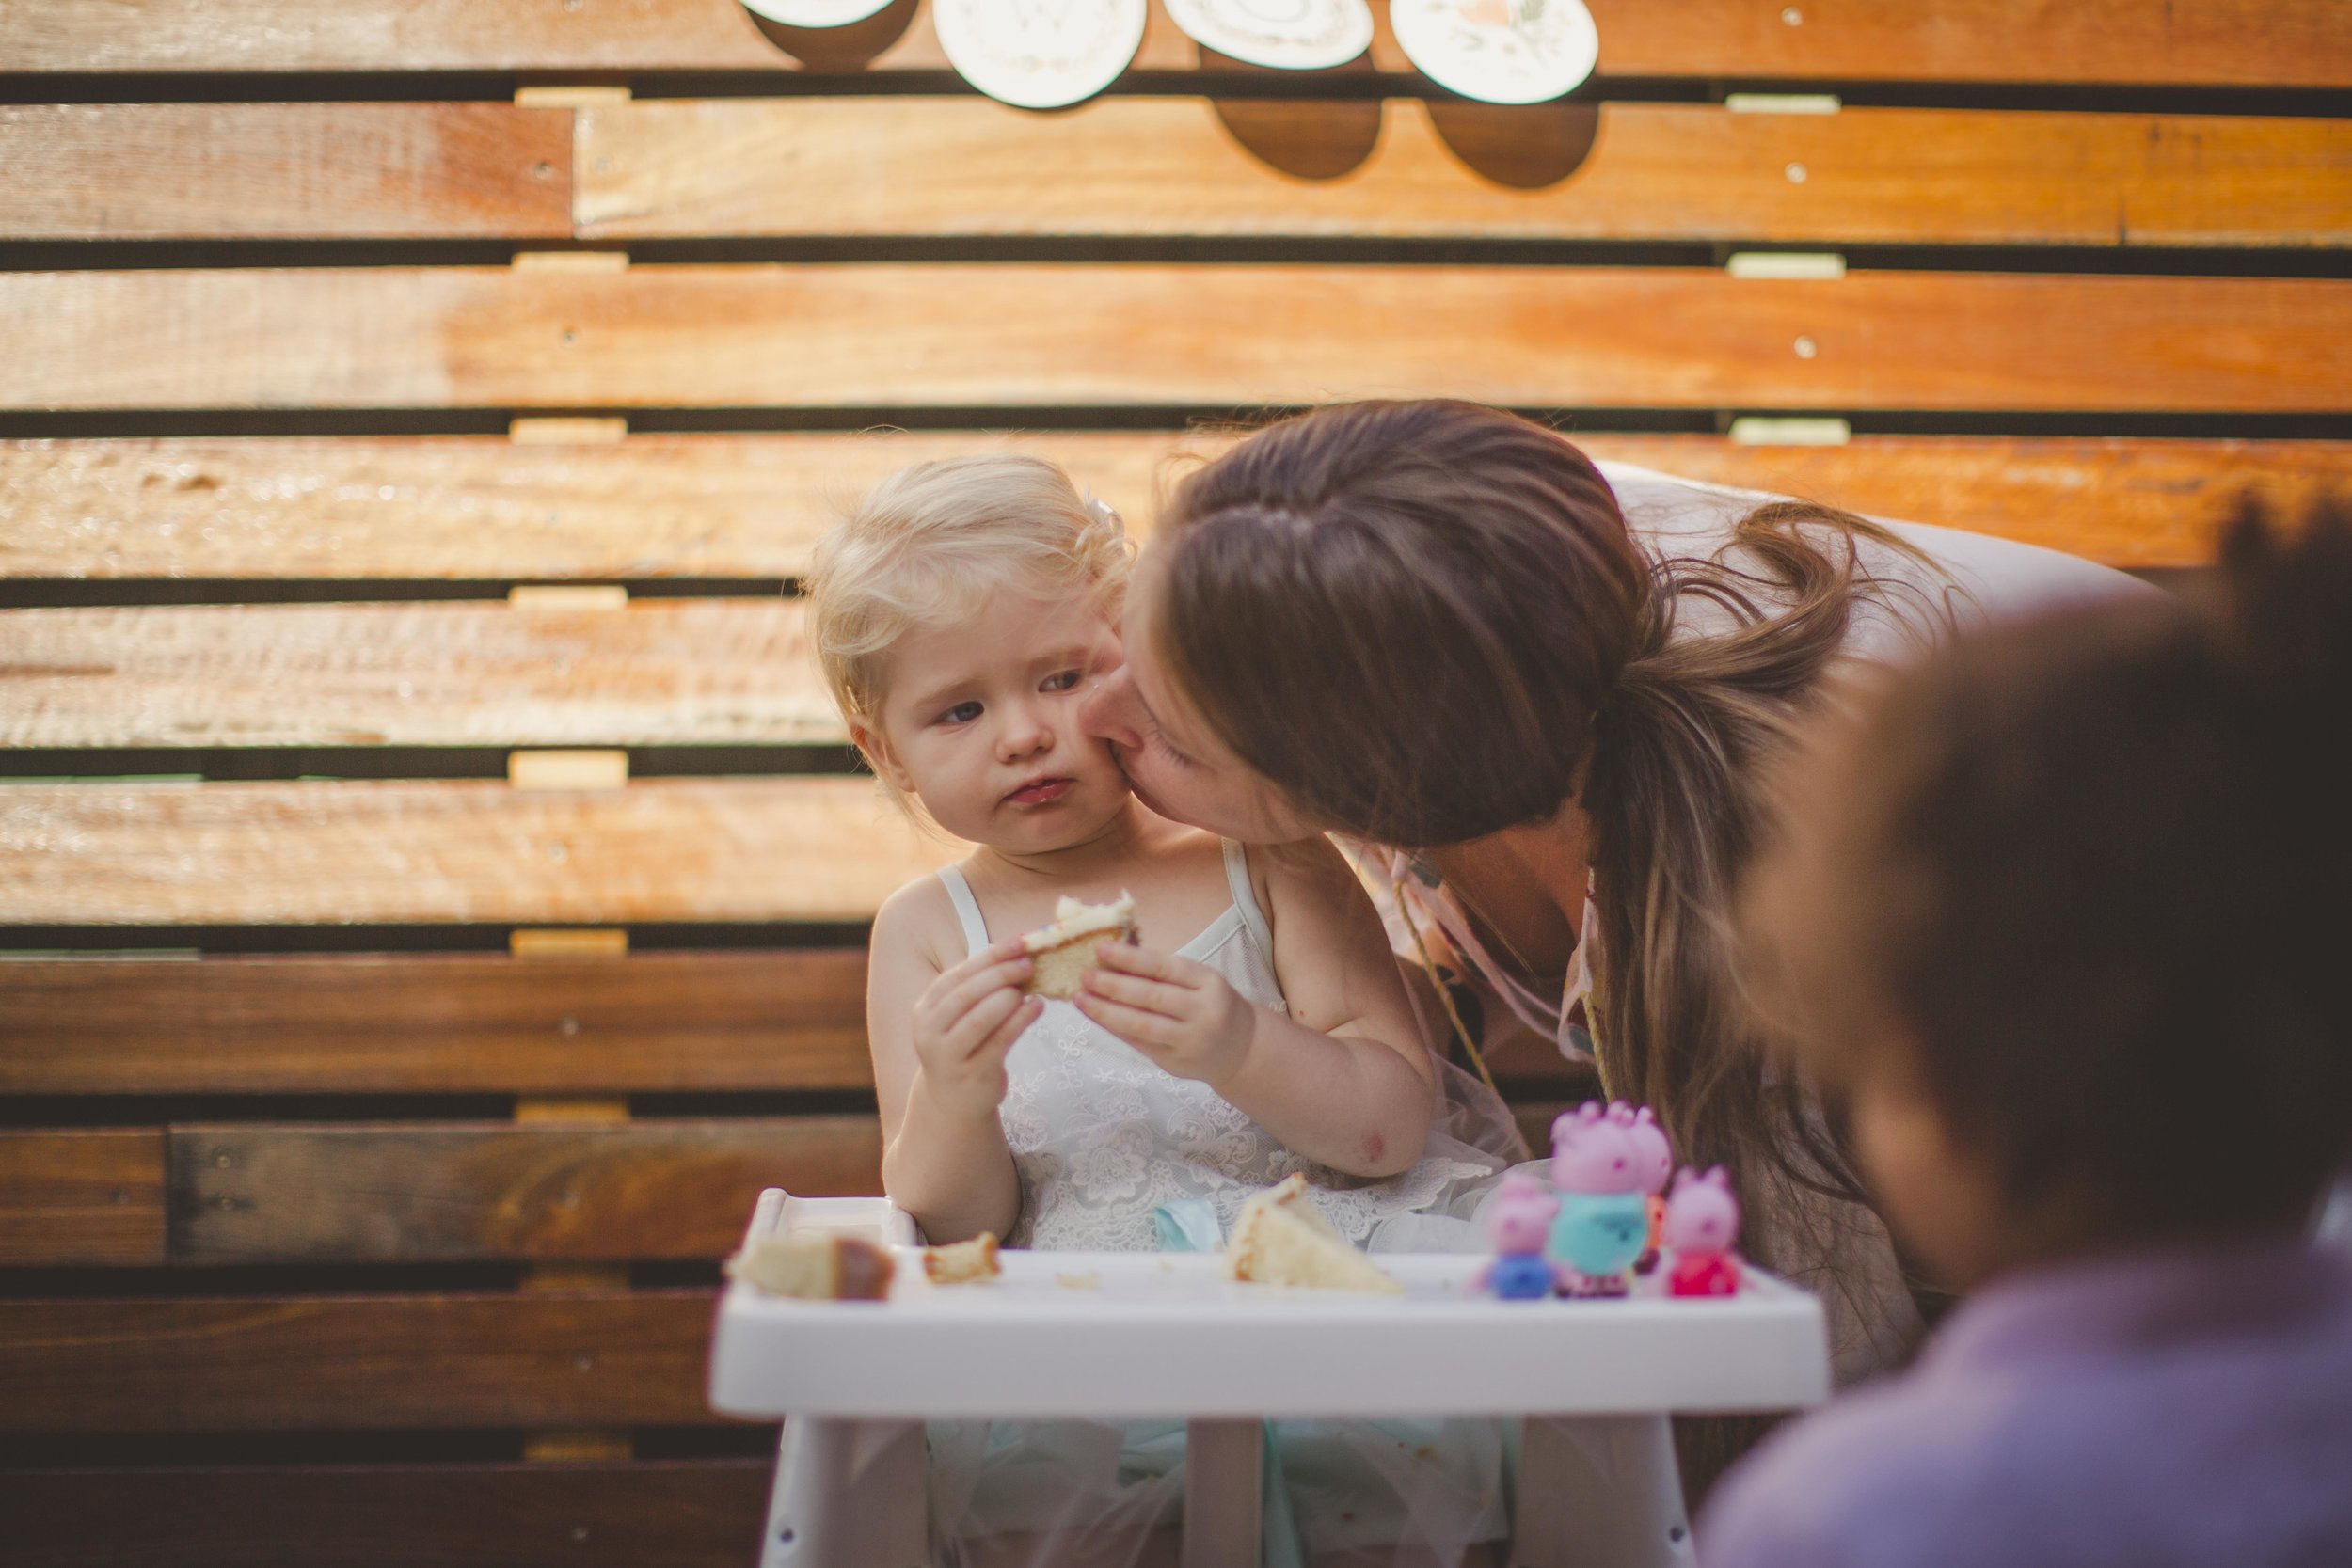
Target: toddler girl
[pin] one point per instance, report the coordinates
(1259, 1028)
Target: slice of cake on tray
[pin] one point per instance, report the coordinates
(821, 1267)
(1281, 1238)
(1064, 951)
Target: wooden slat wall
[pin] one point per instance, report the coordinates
(257, 340)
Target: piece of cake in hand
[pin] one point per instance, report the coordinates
(1281, 1238)
(971, 1263)
(822, 1267)
(1064, 951)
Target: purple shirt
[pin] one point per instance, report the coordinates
(2188, 1409)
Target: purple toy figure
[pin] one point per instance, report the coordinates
(1702, 1223)
(1518, 1223)
(1597, 1166)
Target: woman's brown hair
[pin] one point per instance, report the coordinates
(1508, 648)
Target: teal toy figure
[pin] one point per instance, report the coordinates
(1598, 1170)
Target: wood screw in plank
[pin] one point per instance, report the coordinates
(1807, 348)
(1796, 174)
(1793, 17)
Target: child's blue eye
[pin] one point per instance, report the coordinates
(1062, 681)
(962, 713)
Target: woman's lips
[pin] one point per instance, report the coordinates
(1040, 792)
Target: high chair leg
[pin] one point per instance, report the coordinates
(1600, 1492)
(850, 1495)
(1224, 1466)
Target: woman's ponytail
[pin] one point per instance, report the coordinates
(1673, 797)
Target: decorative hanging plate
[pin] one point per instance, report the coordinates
(815, 14)
(1288, 35)
(1040, 54)
(1501, 51)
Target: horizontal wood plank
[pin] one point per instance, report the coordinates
(545, 1192)
(2251, 42)
(249, 172)
(1175, 166)
(424, 507)
(1449, 170)
(81, 1195)
(338, 853)
(887, 336)
(663, 671)
(645, 1513)
(436, 1024)
(463, 506)
(585, 1358)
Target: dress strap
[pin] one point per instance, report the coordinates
(1245, 898)
(967, 908)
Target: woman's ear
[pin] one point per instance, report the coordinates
(879, 756)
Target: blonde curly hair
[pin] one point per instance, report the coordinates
(932, 542)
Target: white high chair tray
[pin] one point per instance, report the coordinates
(1067, 1334)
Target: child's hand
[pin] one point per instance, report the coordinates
(965, 1022)
(1185, 1016)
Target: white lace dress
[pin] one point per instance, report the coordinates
(1101, 1138)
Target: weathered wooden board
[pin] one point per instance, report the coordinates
(1214, 336)
(661, 672)
(441, 1024)
(336, 853)
(587, 1359)
(542, 1192)
(423, 507)
(654, 506)
(81, 1195)
(1617, 171)
(126, 171)
(2253, 42)
(646, 1513)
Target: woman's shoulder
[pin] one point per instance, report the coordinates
(1951, 572)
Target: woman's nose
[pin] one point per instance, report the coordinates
(1108, 710)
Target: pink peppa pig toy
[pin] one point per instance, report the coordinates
(1518, 1223)
(1702, 1224)
(1597, 1166)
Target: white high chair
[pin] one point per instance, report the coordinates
(1121, 1335)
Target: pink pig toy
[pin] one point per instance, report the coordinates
(1657, 1161)
(1593, 1150)
(1603, 1221)
(1519, 1223)
(1702, 1223)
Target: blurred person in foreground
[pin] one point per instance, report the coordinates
(2062, 918)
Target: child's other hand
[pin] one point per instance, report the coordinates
(965, 1022)
(1182, 1015)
